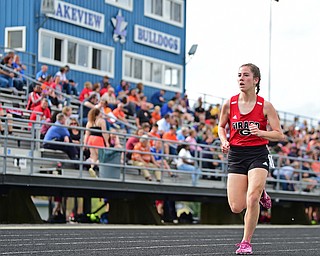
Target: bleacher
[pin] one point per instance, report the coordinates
(23, 157)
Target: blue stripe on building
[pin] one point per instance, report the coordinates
(94, 29)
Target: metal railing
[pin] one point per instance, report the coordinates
(28, 59)
(36, 159)
(286, 118)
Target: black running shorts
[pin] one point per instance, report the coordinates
(242, 159)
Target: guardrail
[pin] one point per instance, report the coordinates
(286, 118)
(33, 160)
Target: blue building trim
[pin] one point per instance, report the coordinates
(83, 20)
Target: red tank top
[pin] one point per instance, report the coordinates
(239, 124)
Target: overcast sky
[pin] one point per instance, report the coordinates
(230, 33)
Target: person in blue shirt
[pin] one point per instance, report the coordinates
(157, 99)
(42, 74)
(60, 134)
(167, 108)
(157, 152)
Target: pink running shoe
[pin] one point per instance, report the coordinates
(244, 248)
(265, 200)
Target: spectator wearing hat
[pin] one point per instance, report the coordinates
(144, 159)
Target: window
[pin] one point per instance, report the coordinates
(72, 50)
(58, 48)
(125, 4)
(170, 11)
(133, 67)
(80, 54)
(15, 38)
(153, 72)
(172, 76)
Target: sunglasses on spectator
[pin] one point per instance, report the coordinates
(73, 123)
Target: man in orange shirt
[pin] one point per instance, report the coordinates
(170, 148)
(153, 133)
(145, 159)
(121, 116)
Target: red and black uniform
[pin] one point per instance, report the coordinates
(247, 151)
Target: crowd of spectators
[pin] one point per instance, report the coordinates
(126, 108)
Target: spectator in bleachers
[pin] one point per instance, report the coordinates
(164, 124)
(96, 89)
(132, 141)
(171, 136)
(167, 108)
(85, 93)
(213, 126)
(157, 151)
(74, 132)
(145, 160)
(315, 166)
(44, 110)
(198, 104)
(215, 111)
(139, 89)
(157, 99)
(185, 115)
(58, 89)
(95, 137)
(104, 85)
(176, 99)
(208, 112)
(3, 113)
(57, 133)
(88, 104)
(10, 54)
(143, 115)
(73, 87)
(35, 97)
(153, 133)
(308, 176)
(120, 115)
(144, 100)
(183, 133)
(107, 114)
(114, 140)
(134, 98)
(42, 74)
(186, 163)
(122, 89)
(192, 140)
(287, 173)
(155, 115)
(200, 109)
(49, 92)
(61, 78)
(67, 111)
(146, 127)
(212, 154)
(19, 67)
(6, 77)
(110, 97)
(185, 98)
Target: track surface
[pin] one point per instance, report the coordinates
(154, 240)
